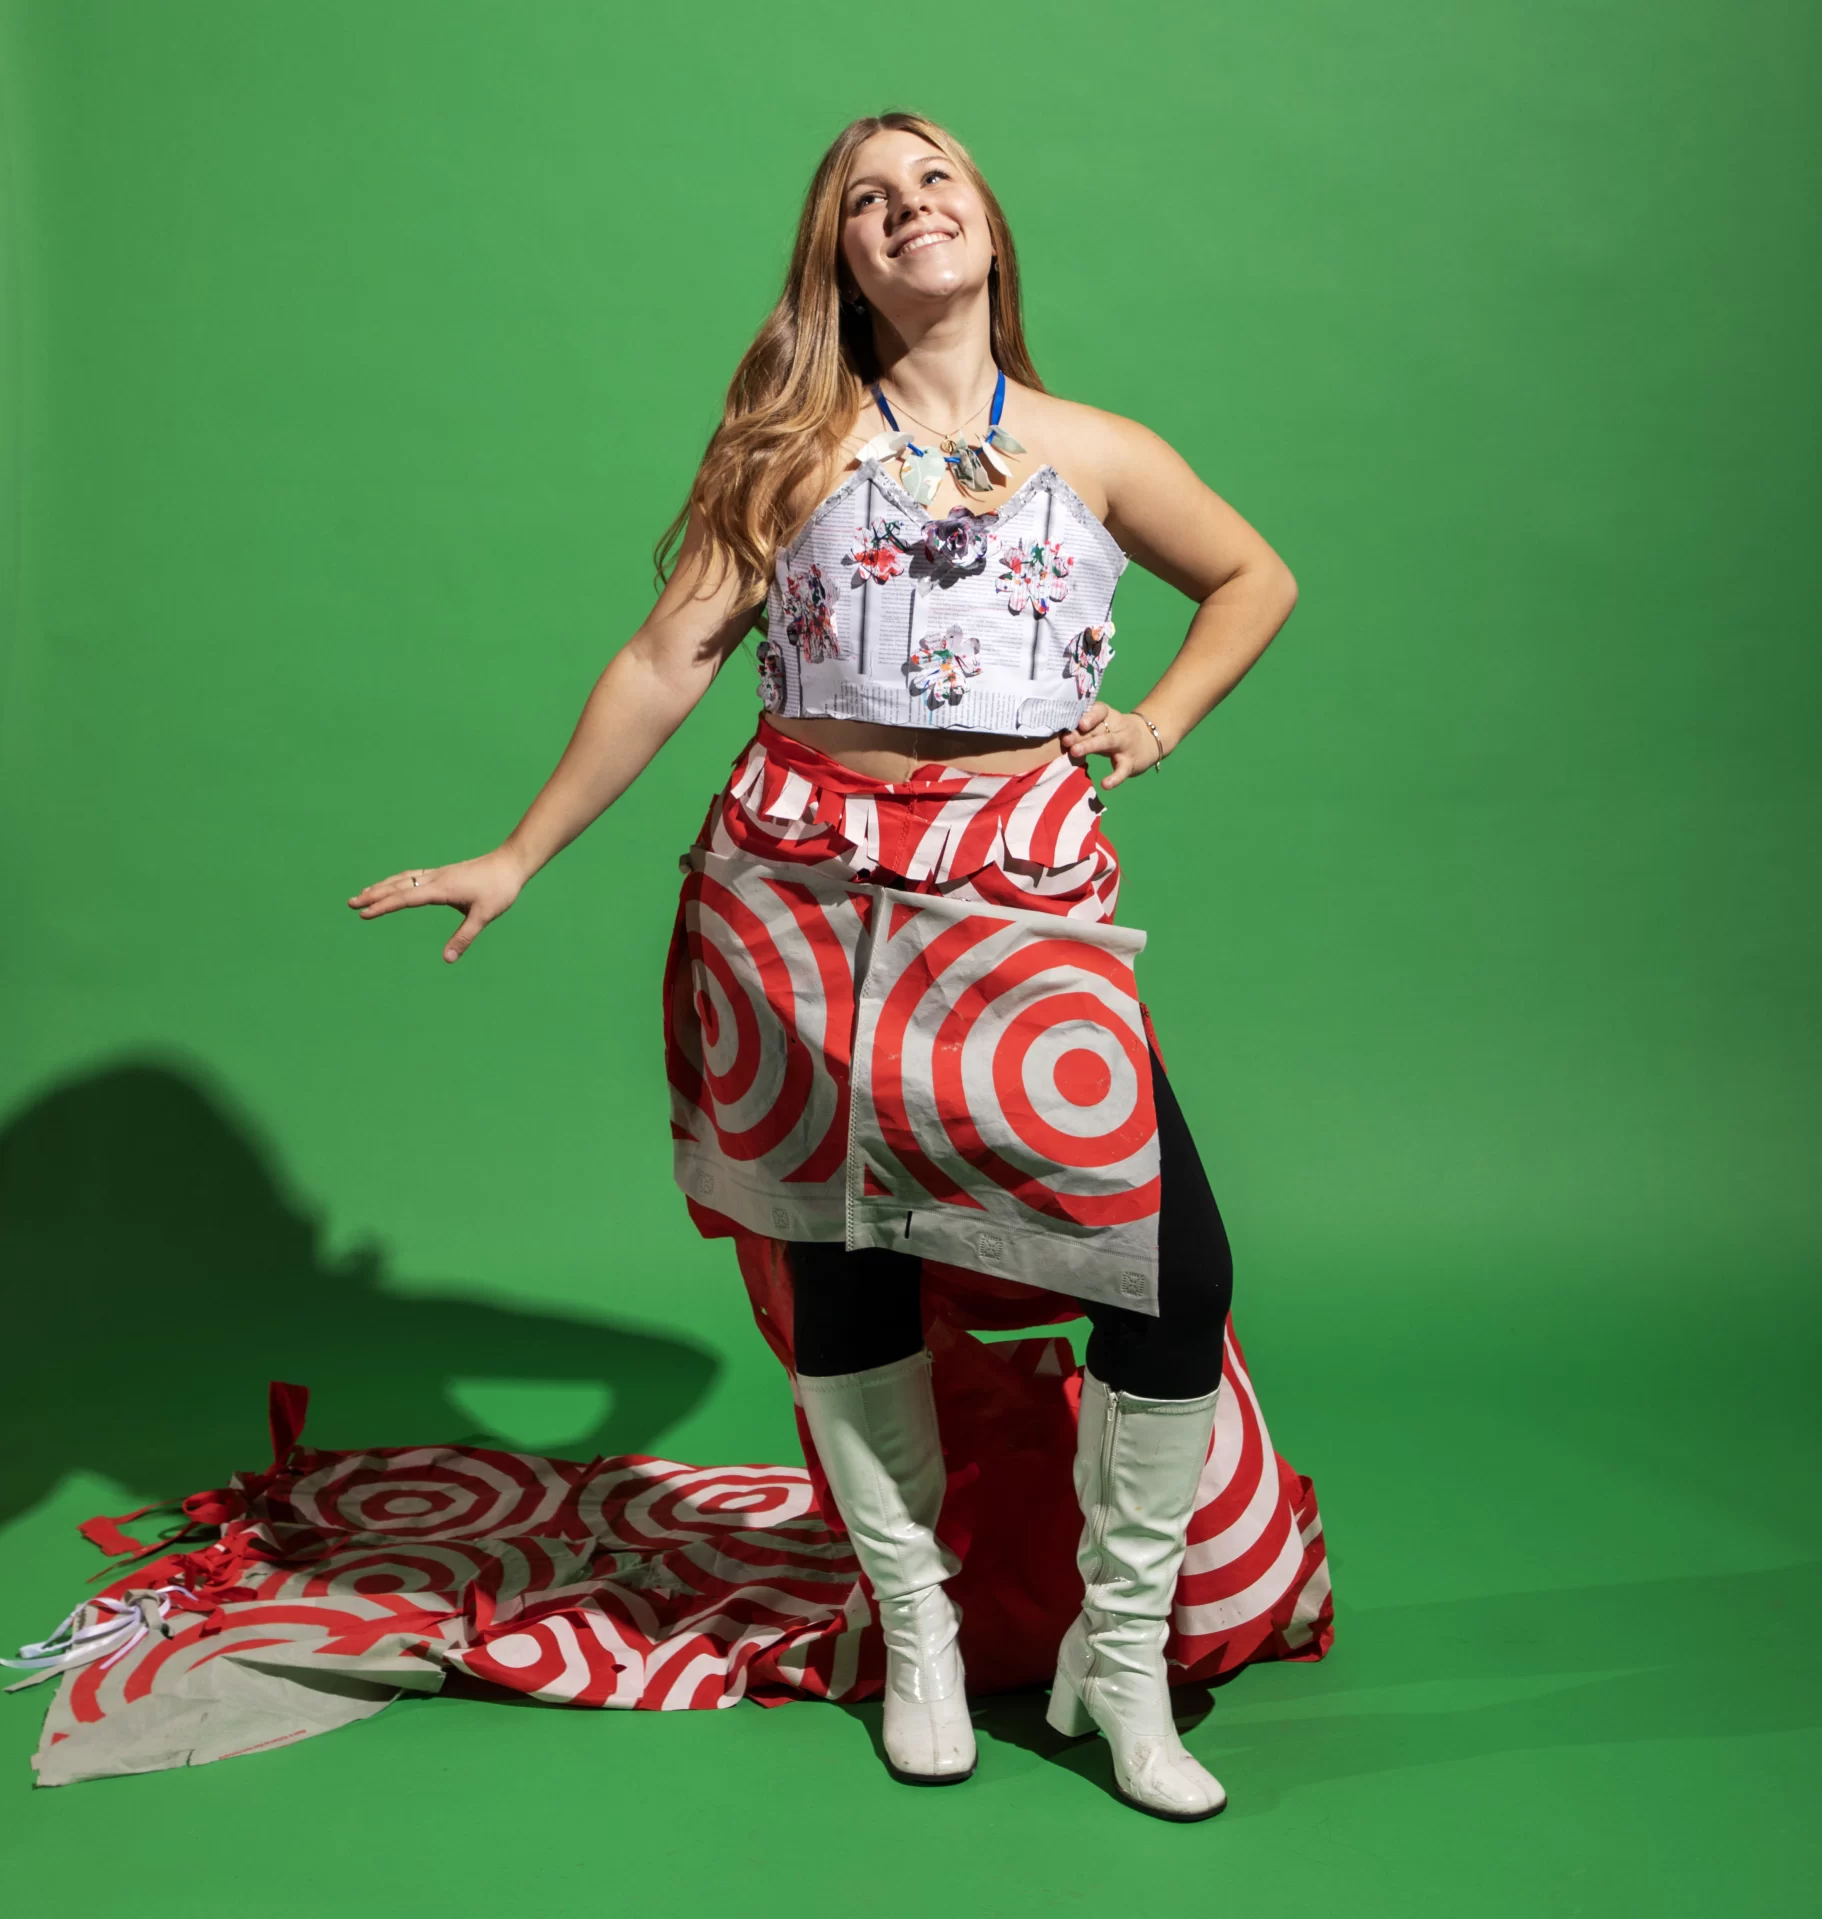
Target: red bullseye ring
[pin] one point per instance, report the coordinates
(1032, 1129)
(638, 1509)
(835, 967)
(1064, 976)
(759, 1013)
(776, 993)
(726, 1088)
(727, 1496)
(949, 948)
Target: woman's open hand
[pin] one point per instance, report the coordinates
(1123, 737)
(480, 890)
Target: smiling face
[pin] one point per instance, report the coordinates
(914, 229)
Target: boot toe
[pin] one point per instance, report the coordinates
(1168, 1782)
(929, 1742)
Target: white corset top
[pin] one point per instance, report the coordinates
(996, 622)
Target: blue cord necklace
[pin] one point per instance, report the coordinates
(976, 464)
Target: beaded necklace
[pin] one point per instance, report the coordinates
(978, 465)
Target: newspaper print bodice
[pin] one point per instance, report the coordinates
(992, 622)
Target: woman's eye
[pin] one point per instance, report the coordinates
(872, 193)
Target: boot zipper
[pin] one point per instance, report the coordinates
(1109, 1434)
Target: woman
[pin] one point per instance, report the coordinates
(935, 540)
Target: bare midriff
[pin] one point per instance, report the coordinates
(891, 752)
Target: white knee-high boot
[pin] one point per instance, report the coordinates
(876, 1435)
(1136, 1467)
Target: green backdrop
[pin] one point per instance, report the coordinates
(354, 354)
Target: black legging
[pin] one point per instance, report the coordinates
(855, 1310)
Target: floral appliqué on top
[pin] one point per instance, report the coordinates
(958, 542)
(809, 616)
(771, 675)
(1034, 571)
(877, 552)
(1087, 656)
(941, 666)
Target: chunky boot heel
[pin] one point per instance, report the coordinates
(875, 1433)
(1068, 1714)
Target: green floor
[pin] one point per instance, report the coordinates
(1575, 1669)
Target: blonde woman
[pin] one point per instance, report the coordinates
(933, 541)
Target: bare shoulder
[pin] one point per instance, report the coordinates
(1099, 453)
(1148, 496)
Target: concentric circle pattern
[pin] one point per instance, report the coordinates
(1003, 1093)
(431, 1492)
(842, 1055)
(650, 1584)
(764, 1017)
(760, 1006)
(653, 1505)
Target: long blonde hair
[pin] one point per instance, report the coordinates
(794, 395)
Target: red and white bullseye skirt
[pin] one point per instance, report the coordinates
(901, 1015)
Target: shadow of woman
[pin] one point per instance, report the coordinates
(160, 1273)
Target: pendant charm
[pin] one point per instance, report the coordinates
(882, 446)
(970, 472)
(998, 436)
(920, 475)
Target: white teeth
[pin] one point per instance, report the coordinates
(924, 240)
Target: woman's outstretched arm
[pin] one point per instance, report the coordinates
(643, 696)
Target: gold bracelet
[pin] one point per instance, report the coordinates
(1158, 763)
